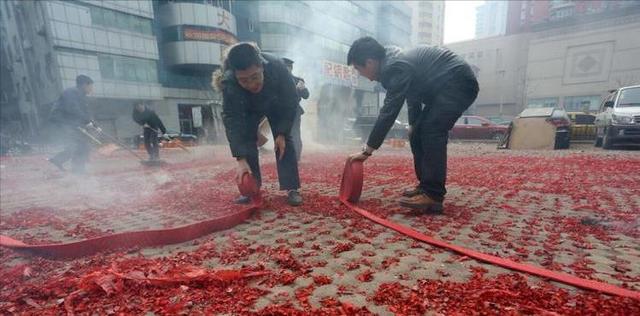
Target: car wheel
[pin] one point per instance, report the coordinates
(607, 142)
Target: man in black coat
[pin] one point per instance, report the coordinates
(151, 124)
(70, 113)
(255, 85)
(438, 87)
(303, 93)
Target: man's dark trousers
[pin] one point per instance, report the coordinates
(151, 143)
(76, 149)
(431, 133)
(287, 166)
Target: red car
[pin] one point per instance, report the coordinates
(477, 127)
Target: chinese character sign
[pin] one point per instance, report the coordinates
(344, 74)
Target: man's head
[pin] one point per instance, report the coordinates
(247, 65)
(289, 63)
(140, 106)
(366, 55)
(85, 84)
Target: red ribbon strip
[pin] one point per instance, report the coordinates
(146, 238)
(350, 191)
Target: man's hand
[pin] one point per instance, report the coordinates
(300, 85)
(146, 125)
(280, 146)
(358, 157)
(363, 155)
(242, 168)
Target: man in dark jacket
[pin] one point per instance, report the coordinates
(152, 125)
(255, 85)
(438, 87)
(303, 93)
(71, 113)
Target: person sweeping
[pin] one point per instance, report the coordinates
(151, 124)
(438, 87)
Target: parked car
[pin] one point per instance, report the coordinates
(363, 125)
(477, 127)
(618, 120)
(582, 126)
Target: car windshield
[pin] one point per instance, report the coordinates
(629, 97)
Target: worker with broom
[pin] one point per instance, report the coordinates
(255, 85)
(70, 113)
(438, 87)
(152, 125)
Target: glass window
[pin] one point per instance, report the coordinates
(474, 121)
(460, 121)
(97, 16)
(110, 18)
(629, 97)
(582, 103)
(106, 67)
(542, 103)
(127, 22)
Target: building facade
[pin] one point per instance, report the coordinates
(161, 52)
(568, 63)
(427, 22)
(317, 36)
(500, 64)
(491, 18)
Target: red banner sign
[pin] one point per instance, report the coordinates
(209, 36)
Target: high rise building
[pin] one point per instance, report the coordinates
(523, 15)
(317, 36)
(427, 22)
(491, 18)
(162, 52)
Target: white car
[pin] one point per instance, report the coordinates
(618, 120)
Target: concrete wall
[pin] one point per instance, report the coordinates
(583, 60)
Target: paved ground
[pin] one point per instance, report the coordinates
(575, 211)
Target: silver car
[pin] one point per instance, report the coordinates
(618, 120)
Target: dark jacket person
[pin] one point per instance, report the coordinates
(438, 87)
(70, 113)
(255, 85)
(303, 93)
(151, 124)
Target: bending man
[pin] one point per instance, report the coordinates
(438, 86)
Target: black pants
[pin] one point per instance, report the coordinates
(151, 143)
(287, 167)
(76, 149)
(431, 133)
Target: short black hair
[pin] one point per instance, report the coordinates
(83, 80)
(242, 56)
(365, 48)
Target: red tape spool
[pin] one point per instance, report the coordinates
(248, 185)
(351, 186)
